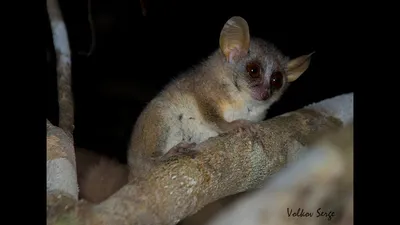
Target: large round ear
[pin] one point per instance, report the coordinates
(234, 40)
(296, 67)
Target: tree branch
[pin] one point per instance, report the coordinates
(225, 165)
(62, 186)
(61, 45)
(322, 181)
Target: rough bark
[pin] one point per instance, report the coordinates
(62, 186)
(321, 184)
(62, 49)
(225, 165)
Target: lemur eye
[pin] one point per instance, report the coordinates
(254, 69)
(276, 80)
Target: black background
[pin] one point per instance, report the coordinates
(136, 55)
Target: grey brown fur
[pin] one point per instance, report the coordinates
(212, 98)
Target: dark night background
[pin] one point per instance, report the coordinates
(136, 55)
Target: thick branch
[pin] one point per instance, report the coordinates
(62, 186)
(61, 45)
(320, 183)
(225, 165)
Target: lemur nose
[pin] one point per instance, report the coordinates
(265, 95)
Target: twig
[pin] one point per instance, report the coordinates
(92, 29)
(143, 6)
(62, 49)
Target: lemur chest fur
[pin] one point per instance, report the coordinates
(189, 125)
(247, 109)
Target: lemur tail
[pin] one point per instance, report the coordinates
(99, 176)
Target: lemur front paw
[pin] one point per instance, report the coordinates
(183, 148)
(241, 126)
